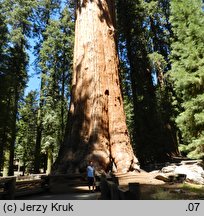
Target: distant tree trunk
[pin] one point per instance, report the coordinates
(97, 128)
(7, 140)
(13, 133)
(62, 106)
(39, 126)
(1, 152)
(49, 160)
(38, 137)
(6, 163)
(8, 168)
(4, 138)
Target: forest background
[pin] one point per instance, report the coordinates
(160, 47)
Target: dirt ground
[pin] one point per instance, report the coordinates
(153, 189)
(78, 193)
(150, 189)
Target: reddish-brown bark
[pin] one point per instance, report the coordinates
(97, 128)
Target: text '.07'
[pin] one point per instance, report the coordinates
(193, 207)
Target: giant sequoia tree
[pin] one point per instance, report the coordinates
(96, 125)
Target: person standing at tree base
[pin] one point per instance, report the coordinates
(91, 176)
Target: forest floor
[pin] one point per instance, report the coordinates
(166, 191)
(150, 189)
(172, 191)
(77, 193)
(153, 189)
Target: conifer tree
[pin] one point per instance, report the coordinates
(144, 34)
(26, 131)
(56, 62)
(159, 33)
(17, 17)
(133, 34)
(4, 82)
(45, 10)
(187, 74)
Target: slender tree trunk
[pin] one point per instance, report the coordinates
(39, 131)
(6, 163)
(9, 140)
(13, 135)
(4, 138)
(97, 128)
(5, 141)
(8, 168)
(62, 104)
(2, 143)
(49, 160)
(46, 16)
(1, 153)
(38, 143)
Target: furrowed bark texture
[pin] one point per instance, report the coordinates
(97, 128)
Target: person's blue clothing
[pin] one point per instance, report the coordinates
(90, 171)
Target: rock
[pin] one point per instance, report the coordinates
(177, 178)
(162, 177)
(189, 170)
(155, 172)
(168, 169)
(194, 173)
(190, 162)
(180, 178)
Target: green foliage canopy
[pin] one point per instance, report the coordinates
(187, 74)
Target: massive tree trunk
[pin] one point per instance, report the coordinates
(97, 128)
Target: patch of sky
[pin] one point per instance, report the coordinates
(33, 75)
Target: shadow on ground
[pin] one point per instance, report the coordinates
(76, 193)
